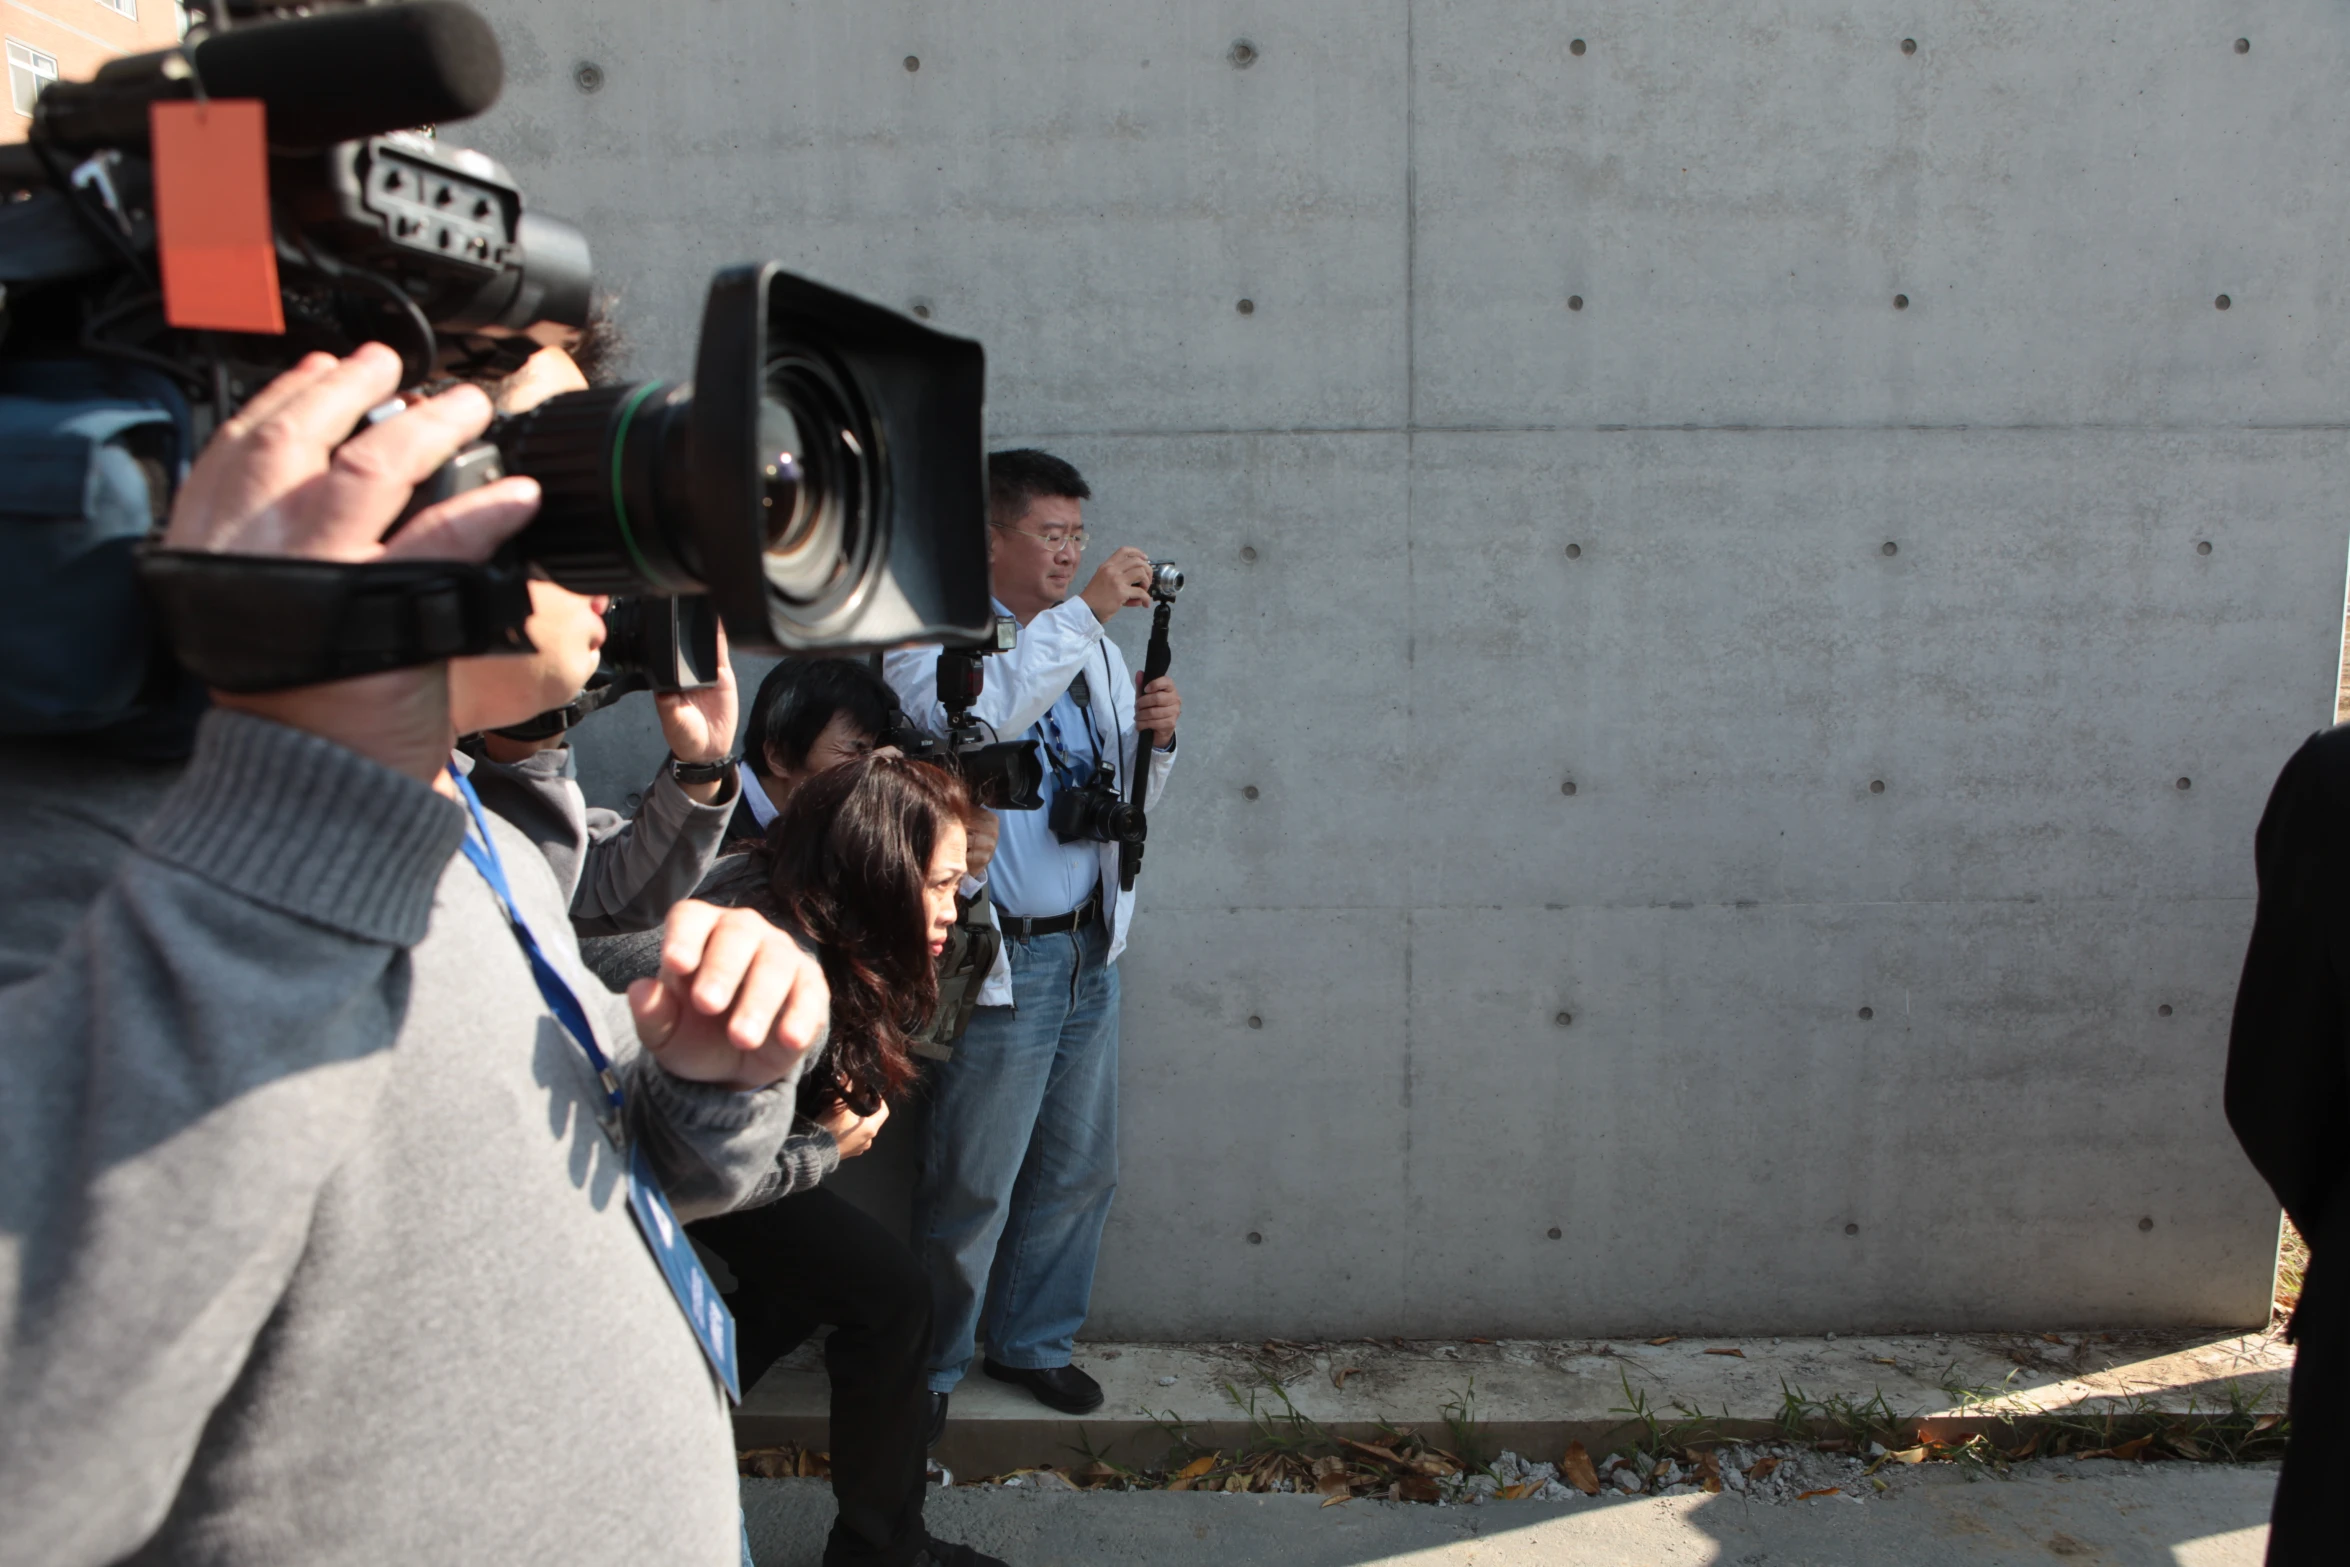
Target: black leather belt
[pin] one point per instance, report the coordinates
(1051, 924)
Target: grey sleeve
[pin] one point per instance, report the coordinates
(710, 1147)
(180, 1081)
(809, 1155)
(637, 868)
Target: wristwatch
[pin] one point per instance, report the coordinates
(702, 772)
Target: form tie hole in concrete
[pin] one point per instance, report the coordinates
(1577, 47)
(1849, 1229)
(2222, 302)
(1255, 1021)
(1247, 307)
(588, 76)
(1242, 54)
(1909, 46)
(2145, 1225)
(1889, 548)
(1249, 793)
(1568, 787)
(1255, 1238)
(1876, 786)
(2203, 546)
(1555, 1232)
(2163, 1010)
(1901, 301)
(1562, 1019)
(913, 62)
(2243, 46)
(1866, 1013)
(1574, 301)
(1248, 554)
(1574, 552)
(2185, 784)
(921, 312)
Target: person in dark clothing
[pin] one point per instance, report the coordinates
(2288, 1099)
(809, 714)
(864, 862)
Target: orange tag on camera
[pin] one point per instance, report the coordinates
(212, 226)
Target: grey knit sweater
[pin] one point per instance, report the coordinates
(310, 1248)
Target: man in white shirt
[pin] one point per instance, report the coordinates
(1023, 1156)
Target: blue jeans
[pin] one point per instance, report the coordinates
(1022, 1161)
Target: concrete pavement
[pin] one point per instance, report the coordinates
(1536, 1395)
(2101, 1512)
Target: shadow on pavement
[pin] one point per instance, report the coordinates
(2173, 1515)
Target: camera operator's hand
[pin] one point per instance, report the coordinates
(980, 832)
(1123, 581)
(737, 1002)
(854, 1133)
(699, 724)
(1156, 707)
(281, 478)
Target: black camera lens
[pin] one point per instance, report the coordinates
(822, 479)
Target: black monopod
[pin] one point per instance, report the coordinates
(1166, 582)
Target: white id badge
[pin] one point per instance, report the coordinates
(697, 1297)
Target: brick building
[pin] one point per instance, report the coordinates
(50, 39)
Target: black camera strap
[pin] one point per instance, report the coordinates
(250, 623)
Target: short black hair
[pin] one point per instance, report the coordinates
(799, 697)
(1016, 477)
(602, 343)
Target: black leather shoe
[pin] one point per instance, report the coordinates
(939, 1553)
(938, 1421)
(1064, 1388)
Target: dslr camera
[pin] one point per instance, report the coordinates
(1003, 775)
(820, 480)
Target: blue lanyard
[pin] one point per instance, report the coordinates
(656, 1221)
(553, 988)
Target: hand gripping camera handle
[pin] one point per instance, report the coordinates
(1154, 664)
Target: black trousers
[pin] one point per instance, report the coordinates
(813, 1259)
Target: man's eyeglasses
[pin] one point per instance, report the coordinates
(1054, 540)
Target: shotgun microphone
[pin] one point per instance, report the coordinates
(333, 77)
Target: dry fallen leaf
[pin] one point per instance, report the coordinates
(1384, 1455)
(2053, 1338)
(1476, 1340)
(1197, 1467)
(2135, 1447)
(1575, 1469)
(1236, 1482)
(1334, 1485)
(1825, 1490)
(1741, 1354)
(1333, 1501)
(1669, 1338)
(1338, 1377)
(2267, 1422)
(1884, 1360)
(1908, 1455)
(1415, 1488)
(1515, 1493)
(1709, 1472)
(1761, 1468)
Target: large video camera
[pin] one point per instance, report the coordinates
(1003, 775)
(821, 479)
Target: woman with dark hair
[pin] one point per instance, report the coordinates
(863, 862)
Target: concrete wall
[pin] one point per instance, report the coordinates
(1575, 434)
